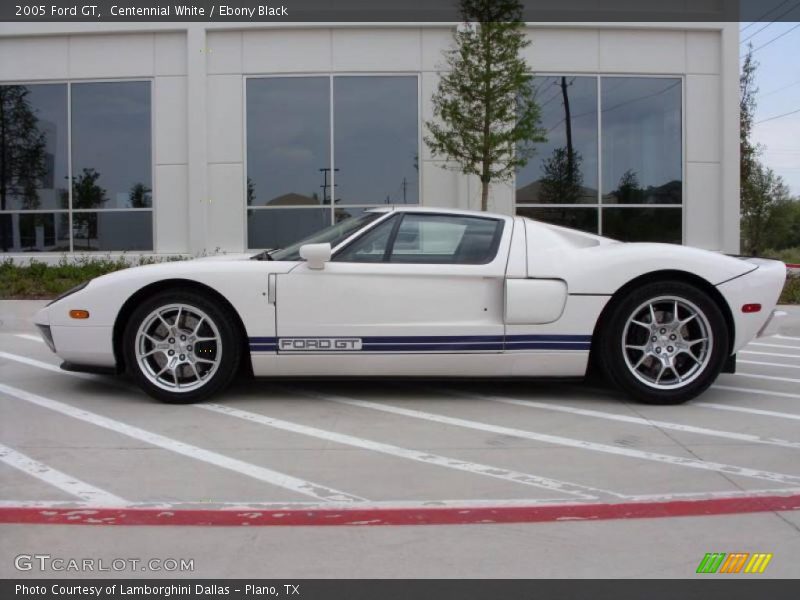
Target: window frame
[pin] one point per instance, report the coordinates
(400, 217)
(599, 206)
(69, 211)
(330, 75)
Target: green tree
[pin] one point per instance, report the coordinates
(140, 196)
(766, 193)
(486, 118)
(767, 209)
(22, 154)
(86, 194)
(562, 179)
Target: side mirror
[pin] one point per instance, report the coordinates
(316, 255)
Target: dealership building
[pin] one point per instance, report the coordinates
(185, 138)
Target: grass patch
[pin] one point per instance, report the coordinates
(37, 280)
(791, 291)
(787, 255)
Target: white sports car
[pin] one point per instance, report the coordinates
(424, 292)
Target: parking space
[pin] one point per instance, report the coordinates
(77, 441)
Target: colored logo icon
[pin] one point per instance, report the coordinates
(735, 562)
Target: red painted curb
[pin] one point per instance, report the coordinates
(398, 516)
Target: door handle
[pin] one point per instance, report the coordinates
(272, 283)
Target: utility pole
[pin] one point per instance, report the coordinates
(568, 121)
(325, 185)
(405, 185)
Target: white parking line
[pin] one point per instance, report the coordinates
(769, 377)
(768, 364)
(29, 336)
(751, 411)
(786, 337)
(570, 442)
(784, 346)
(66, 483)
(415, 455)
(32, 362)
(770, 354)
(756, 391)
(731, 435)
(276, 478)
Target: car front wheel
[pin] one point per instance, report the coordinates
(664, 343)
(181, 347)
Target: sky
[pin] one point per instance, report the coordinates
(778, 82)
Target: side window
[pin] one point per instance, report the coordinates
(441, 239)
(370, 247)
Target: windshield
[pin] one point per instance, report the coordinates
(333, 235)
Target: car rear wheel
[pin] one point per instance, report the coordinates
(664, 343)
(181, 347)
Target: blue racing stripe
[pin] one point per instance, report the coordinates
(454, 343)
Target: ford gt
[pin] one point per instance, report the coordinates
(425, 293)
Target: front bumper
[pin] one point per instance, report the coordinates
(47, 335)
(772, 324)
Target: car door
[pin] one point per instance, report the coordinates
(414, 284)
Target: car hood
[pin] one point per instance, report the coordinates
(227, 257)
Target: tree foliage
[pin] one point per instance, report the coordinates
(22, 154)
(770, 217)
(486, 118)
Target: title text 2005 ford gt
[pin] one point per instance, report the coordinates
(424, 292)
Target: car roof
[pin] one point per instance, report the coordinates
(434, 210)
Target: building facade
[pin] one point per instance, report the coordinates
(173, 138)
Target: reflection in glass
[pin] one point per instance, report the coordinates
(33, 152)
(288, 142)
(641, 139)
(278, 228)
(112, 230)
(564, 168)
(111, 144)
(585, 219)
(376, 140)
(36, 232)
(643, 224)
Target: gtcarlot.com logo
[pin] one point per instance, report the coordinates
(735, 562)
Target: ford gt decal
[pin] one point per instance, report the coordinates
(473, 343)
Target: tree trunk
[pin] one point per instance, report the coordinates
(484, 196)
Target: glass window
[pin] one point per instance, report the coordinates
(641, 139)
(288, 142)
(278, 228)
(376, 140)
(564, 169)
(370, 247)
(111, 167)
(33, 152)
(584, 219)
(633, 224)
(35, 232)
(333, 235)
(446, 239)
(111, 145)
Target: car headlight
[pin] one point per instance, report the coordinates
(69, 292)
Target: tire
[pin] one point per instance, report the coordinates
(187, 363)
(666, 362)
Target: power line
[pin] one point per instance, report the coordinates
(777, 117)
(780, 89)
(776, 38)
(758, 20)
(783, 14)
